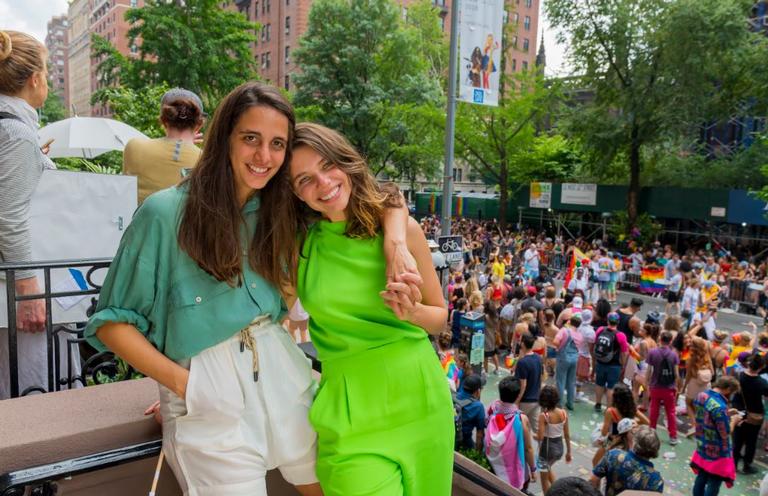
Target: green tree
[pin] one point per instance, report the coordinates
(361, 74)
(658, 70)
(53, 109)
(193, 44)
(140, 109)
(501, 142)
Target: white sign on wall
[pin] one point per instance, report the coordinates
(579, 194)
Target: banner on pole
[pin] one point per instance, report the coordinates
(541, 195)
(480, 32)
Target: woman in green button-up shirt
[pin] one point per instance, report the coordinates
(188, 284)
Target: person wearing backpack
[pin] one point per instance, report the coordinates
(611, 351)
(567, 343)
(663, 380)
(470, 414)
(508, 441)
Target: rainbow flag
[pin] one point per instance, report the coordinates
(450, 368)
(577, 259)
(432, 201)
(648, 280)
(459, 206)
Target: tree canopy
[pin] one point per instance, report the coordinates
(369, 74)
(193, 44)
(659, 70)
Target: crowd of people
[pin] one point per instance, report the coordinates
(552, 343)
(732, 277)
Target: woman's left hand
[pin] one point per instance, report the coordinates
(402, 298)
(402, 267)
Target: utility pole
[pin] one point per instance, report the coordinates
(445, 221)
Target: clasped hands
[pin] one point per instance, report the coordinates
(401, 293)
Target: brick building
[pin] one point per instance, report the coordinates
(56, 41)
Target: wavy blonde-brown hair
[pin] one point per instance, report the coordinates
(365, 209)
(367, 199)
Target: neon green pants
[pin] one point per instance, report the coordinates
(385, 426)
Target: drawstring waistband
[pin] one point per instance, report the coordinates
(247, 341)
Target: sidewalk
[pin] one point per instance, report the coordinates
(672, 461)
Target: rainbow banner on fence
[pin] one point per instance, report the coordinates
(459, 206)
(648, 280)
(432, 202)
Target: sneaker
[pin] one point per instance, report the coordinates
(598, 407)
(749, 470)
(674, 441)
(581, 397)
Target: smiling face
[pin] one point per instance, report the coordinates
(257, 148)
(322, 185)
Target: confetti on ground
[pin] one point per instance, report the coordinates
(670, 455)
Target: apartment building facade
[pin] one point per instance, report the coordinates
(56, 41)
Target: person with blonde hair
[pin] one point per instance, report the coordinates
(475, 301)
(23, 89)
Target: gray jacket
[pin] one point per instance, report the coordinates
(21, 166)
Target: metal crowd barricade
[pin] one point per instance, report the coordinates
(629, 280)
(743, 295)
(74, 331)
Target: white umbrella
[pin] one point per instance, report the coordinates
(86, 137)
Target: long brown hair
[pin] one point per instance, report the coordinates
(210, 225)
(699, 358)
(291, 222)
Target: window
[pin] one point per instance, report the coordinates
(287, 25)
(267, 2)
(267, 60)
(515, 18)
(457, 174)
(525, 65)
(263, 33)
(134, 49)
(287, 55)
(287, 83)
(134, 3)
(404, 13)
(442, 23)
(526, 44)
(527, 23)
(528, 3)
(287, 3)
(256, 8)
(514, 64)
(514, 42)
(269, 32)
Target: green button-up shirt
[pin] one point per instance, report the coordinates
(155, 286)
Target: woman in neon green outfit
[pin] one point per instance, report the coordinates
(383, 413)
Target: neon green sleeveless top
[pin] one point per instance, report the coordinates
(339, 280)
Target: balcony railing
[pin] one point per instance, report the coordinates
(77, 373)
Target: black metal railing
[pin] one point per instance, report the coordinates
(77, 371)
